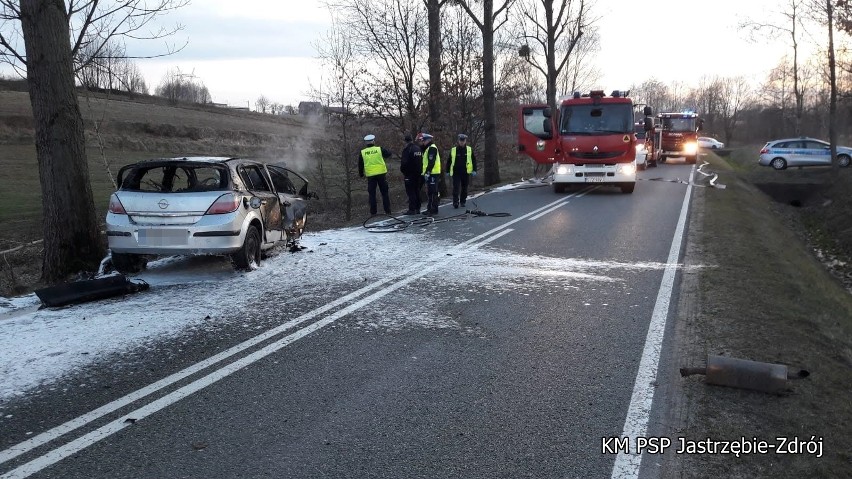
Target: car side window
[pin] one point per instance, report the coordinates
(282, 181)
(814, 145)
(254, 179)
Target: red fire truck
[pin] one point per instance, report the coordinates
(675, 134)
(590, 140)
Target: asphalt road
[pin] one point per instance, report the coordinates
(509, 351)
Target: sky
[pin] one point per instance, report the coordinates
(40, 346)
(242, 50)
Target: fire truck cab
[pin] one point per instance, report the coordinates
(676, 134)
(590, 140)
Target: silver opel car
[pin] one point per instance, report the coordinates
(779, 154)
(204, 205)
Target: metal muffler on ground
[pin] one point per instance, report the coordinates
(745, 374)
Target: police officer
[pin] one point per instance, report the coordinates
(371, 163)
(460, 168)
(411, 167)
(431, 172)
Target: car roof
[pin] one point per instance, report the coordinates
(801, 138)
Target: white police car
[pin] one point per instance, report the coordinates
(780, 154)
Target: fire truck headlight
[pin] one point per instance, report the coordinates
(563, 170)
(627, 168)
(690, 148)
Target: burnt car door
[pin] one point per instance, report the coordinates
(292, 190)
(259, 185)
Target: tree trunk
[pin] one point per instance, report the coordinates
(433, 9)
(832, 105)
(490, 162)
(72, 241)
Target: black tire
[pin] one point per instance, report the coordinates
(558, 188)
(127, 263)
(248, 257)
(627, 188)
(778, 164)
(843, 160)
(692, 159)
(663, 159)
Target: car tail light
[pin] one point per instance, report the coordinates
(764, 151)
(115, 206)
(227, 203)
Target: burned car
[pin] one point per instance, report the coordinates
(204, 205)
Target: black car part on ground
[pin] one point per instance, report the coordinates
(88, 290)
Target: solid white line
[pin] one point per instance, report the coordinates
(58, 431)
(636, 424)
(108, 429)
(563, 202)
(548, 211)
(65, 428)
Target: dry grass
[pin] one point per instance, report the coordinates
(767, 298)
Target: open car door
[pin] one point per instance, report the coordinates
(292, 189)
(536, 137)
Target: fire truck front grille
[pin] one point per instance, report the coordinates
(601, 155)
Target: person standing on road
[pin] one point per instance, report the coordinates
(411, 167)
(460, 168)
(371, 163)
(431, 172)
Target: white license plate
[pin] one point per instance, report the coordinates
(163, 237)
(595, 179)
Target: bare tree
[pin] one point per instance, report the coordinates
(550, 31)
(580, 73)
(789, 24)
(177, 86)
(824, 13)
(109, 70)
(72, 241)
(389, 36)
(488, 23)
(735, 93)
(433, 19)
(336, 168)
(262, 103)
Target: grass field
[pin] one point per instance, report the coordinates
(762, 294)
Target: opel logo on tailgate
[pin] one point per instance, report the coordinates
(163, 204)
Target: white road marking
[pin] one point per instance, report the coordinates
(627, 465)
(111, 428)
(562, 202)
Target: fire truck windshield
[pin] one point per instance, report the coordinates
(596, 119)
(679, 124)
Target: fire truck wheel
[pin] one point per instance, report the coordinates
(662, 159)
(558, 188)
(692, 159)
(627, 188)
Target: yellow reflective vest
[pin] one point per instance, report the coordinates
(436, 170)
(469, 162)
(374, 162)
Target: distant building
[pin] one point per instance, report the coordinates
(310, 108)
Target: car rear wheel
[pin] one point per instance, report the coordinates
(843, 160)
(127, 263)
(248, 257)
(779, 163)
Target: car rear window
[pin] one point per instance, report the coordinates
(175, 178)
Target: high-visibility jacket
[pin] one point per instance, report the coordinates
(436, 169)
(468, 161)
(374, 162)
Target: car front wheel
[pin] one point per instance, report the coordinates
(779, 163)
(248, 257)
(843, 160)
